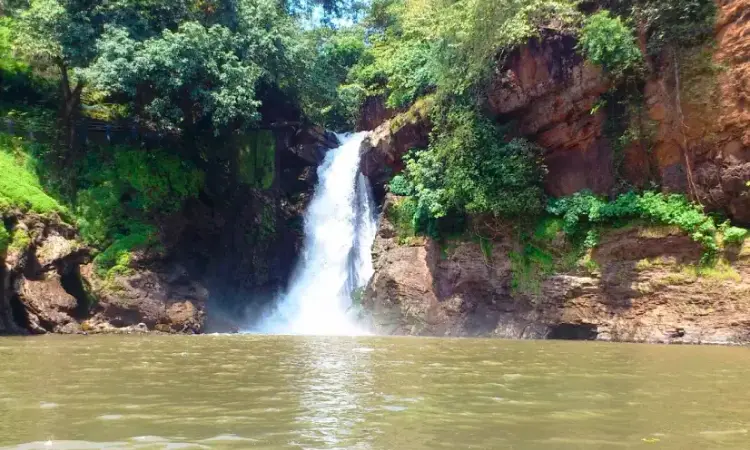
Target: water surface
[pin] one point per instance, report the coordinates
(275, 392)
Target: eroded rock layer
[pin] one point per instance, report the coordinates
(644, 288)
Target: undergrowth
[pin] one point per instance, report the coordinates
(114, 195)
(581, 212)
(20, 187)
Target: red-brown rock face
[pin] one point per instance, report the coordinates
(711, 129)
(550, 92)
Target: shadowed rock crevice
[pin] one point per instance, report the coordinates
(18, 314)
(573, 332)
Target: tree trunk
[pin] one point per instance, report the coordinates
(70, 105)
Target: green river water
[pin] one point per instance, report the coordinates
(275, 392)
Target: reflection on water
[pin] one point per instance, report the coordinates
(333, 399)
(271, 392)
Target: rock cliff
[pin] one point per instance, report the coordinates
(645, 287)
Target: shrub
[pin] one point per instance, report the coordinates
(608, 41)
(734, 235)
(471, 167)
(402, 213)
(400, 186)
(682, 23)
(582, 210)
(116, 258)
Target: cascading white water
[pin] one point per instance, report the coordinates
(340, 227)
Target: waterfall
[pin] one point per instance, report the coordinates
(340, 226)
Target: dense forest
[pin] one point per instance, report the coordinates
(173, 84)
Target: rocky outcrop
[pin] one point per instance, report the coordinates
(695, 128)
(645, 289)
(49, 286)
(373, 113)
(36, 268)
(695, 136)
(549, 91)
(156, 298)
(384, 148)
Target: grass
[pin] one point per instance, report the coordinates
(20, 187)
(19, 239)
(719, 270)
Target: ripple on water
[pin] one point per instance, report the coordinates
(228, 438)
(65, 445)
(394, 408)
(110, 417)
(721, 433)
(150, 439)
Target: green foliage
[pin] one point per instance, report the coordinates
(486, 246)
(676, 23)
(419, 46)
(17, 81)
(471, 168)
(155, 180)
(325, 95)
(548, 228)
(609, 42)
(681, 23)
(582, 210)
(116, 259)
(20, 187)
(402, 213)
(29, 119)
(196, 74)
(400, 186)
(51, 33)
(733, 235)
(548, 250)
(19, 239)
(122, 190)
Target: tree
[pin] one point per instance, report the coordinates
(60, 36)
(182, 79)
